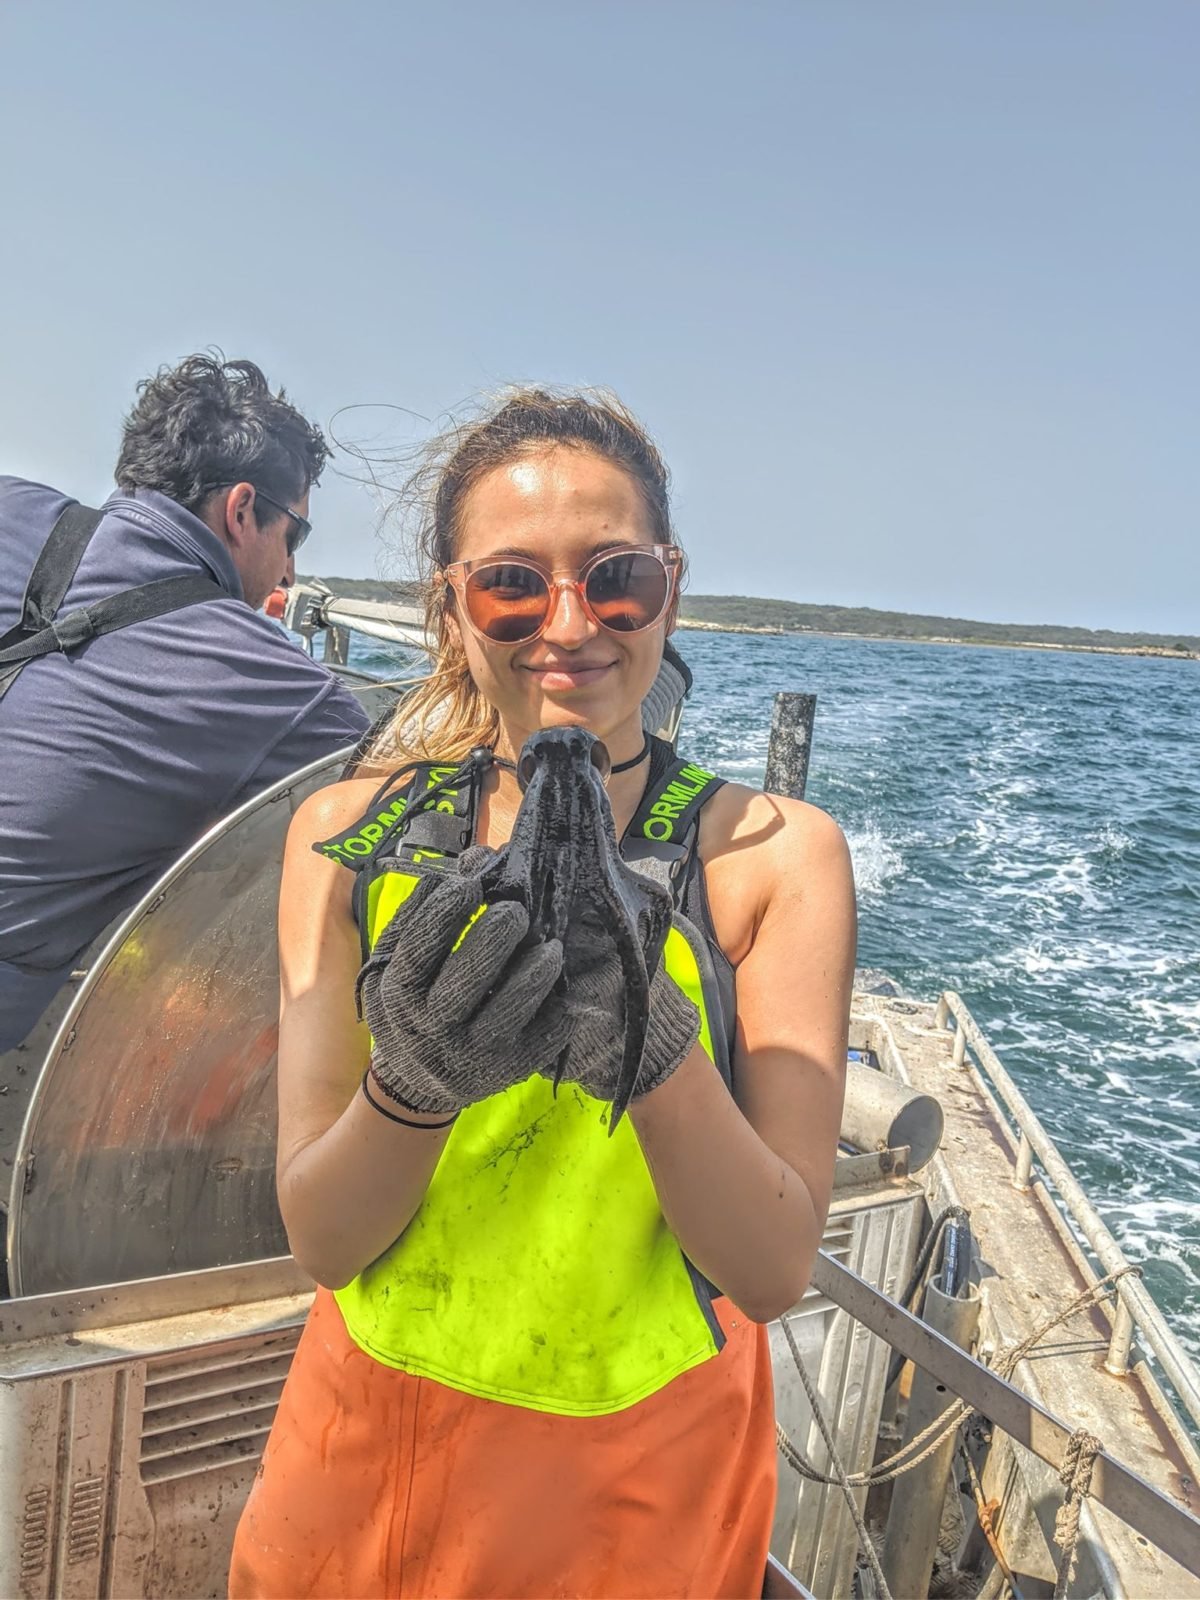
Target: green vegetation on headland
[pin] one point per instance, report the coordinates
(791, 616)
(747, 614)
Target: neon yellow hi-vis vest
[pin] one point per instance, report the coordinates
(539, 1269)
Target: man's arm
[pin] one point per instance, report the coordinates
(329, 721)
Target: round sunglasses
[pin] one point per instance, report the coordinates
(510, 600)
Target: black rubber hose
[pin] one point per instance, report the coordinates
(956, 1257)
(961, 1218)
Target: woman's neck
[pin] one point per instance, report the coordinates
(624, 743)
(625, 789)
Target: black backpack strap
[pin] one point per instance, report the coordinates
(56, 565)
(42, 632)
(53, 570)
(69, 633)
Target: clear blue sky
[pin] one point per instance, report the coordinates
(908, 293)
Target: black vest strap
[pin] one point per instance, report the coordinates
(675, 793)
(433, 814)
(442, 813)
(434, 817)
(42, 632)
(661, 838)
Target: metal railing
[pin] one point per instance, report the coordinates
(1144, 1508)
(311, 608)
(1135, 1308)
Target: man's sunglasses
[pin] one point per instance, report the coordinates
(300, 528)
(507, 600)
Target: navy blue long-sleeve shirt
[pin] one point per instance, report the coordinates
(116, 758)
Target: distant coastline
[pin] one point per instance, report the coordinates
(711, 613)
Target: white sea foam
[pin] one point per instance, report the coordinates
(1112, 842)
(1073, 880)
(1168, 1016)
(1186, 1265)
(877, 859)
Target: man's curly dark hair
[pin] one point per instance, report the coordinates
(210, 422)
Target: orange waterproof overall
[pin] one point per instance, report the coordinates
(376, 1482)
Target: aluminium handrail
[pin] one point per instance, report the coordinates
(390, 620)
(1136, 1306)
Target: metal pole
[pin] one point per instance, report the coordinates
(791, 743)
(919, 1495)
(779, 1583)
(881, 1114)
(1023, 1171)
(337, 647)
(1117, 1359)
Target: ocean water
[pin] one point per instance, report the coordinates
(1025, 828)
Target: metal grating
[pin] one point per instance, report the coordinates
(35, 1534)
(85, 1520)
(201, 1414)
(836, 1241)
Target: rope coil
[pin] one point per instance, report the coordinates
(1076, 1474)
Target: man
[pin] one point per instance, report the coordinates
(117, 751)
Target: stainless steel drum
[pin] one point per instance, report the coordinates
(149, 1144)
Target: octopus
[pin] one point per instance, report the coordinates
(564, 865)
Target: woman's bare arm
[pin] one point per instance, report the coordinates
(745, 1185)
(349, 1180)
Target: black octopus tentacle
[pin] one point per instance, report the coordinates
(624, 929)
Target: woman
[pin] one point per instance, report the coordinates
(536, 1363)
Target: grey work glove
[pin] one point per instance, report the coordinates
(596, 1001)
(456, 1011)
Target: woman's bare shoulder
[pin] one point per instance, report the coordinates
(313, 877)
(766, 856)
(740, 820)
(332, 810)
